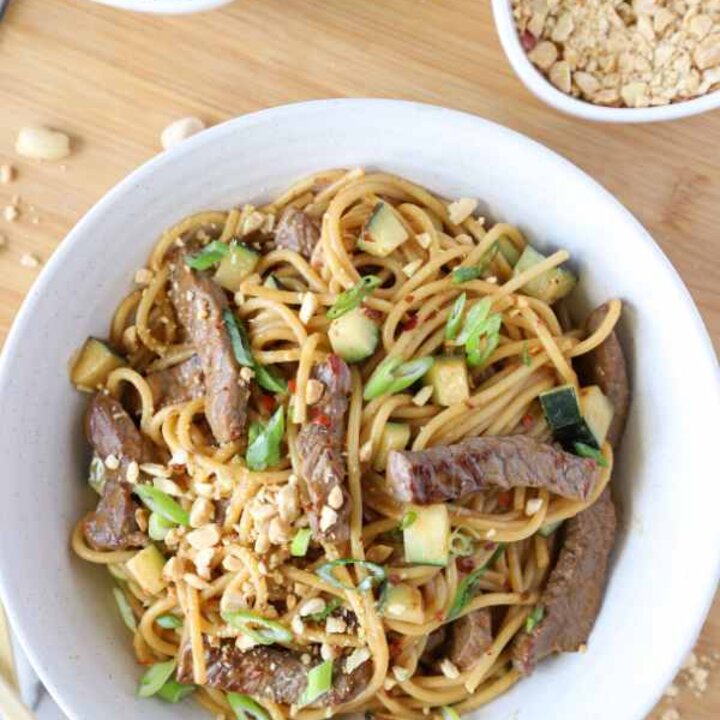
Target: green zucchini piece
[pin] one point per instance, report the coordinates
(383, 232)
(403, 602)
(236, 266)
(93, 364)
(449, 379)
(564, 414)
(427, 540)
(597, 412)
(551, 285)
(395, 436)
(354, 336)
(146, 569)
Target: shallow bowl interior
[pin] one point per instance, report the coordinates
(665, 564)
(543, 89)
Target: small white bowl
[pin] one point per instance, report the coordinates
(667, 556)
(542, 88)
(165, 7)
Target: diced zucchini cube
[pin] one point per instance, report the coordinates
(427, 538)
(146, 567)
(383, 232)
(93, 364)
(395, 436)
(449, 379)
(236, 266)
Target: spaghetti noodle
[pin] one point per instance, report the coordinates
(239, 545)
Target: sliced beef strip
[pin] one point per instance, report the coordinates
(321, 445)
(270, 672)
(470, 637)
(297, 231)
(605, 367)
(448, 472)
(575, 589)
(111, 431)
(177, 384)
(433, 646)
(199, 303)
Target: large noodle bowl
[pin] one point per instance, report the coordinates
(352, 453)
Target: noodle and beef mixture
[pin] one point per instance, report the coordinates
(352, 455)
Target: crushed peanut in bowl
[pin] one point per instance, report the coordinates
(619, 53)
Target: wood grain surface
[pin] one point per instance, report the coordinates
(114, 79)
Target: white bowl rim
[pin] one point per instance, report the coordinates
(544, 90)
(12, 596)
(165, 7)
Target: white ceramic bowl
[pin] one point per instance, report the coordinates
(165, 7)
(542, 88)
(666, 561)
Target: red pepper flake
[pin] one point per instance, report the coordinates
(528, 41)
(267, 403)
(527, 421)
(505, 498)
(431, 315)
(292, 386)
(319, 418)
(465, 564)
(411, 322)
(440, 615)
(508, 585)
(489, 546)
(335, 364)
(410, 298)
(395, 579)
(373, 314)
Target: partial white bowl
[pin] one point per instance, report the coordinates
(667, 558)
(543, 89)
(165, 7)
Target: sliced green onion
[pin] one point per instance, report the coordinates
(264, 451)
(377, 573)
(474, 320)
(526, 360)
(461, 543)
(173, 691)
(260, 629)
(159, 527)
(381, 379)
(481, 346)
(350, 299)
(267, 377)
(169, 621)
(301, 542)
(319, 681)
(409, 373)
(162, 504)
(210, 255)
(270, 379)
(455, 318)
(238, 338)
(449, 713)
(550, 528)
(245, 707)
(534, 618)
(328, 610)
(464, 274)
(466, 588)
(155, 677)
(586, 451)
(407, 519)
(126, 612)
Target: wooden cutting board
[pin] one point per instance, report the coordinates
(114, 79)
